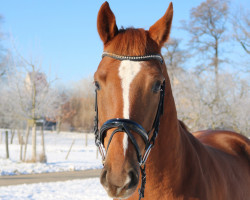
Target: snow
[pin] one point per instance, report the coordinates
(88, 189)
(57, 146)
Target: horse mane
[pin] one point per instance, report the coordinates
(183, 126)
(132, 42)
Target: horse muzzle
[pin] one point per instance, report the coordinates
(119, 184)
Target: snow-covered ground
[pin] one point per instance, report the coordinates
(88, 189)
(57, 146)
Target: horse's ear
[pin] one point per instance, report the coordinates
(159, 32)
(106, 24)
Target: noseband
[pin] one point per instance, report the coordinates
(127, 125)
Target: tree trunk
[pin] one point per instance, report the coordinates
(26, 141)
(216, 71)
(21, 150)
(12, 136)
(20, 140)
(7, 144)
(42, 141)
(19, 134)
(58, 125)
(34, 94)
(34, 142)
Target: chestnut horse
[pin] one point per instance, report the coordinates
(134, 104)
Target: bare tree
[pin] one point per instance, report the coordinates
(207, 27)
(241, 27)
(86, 97)
(174, 58)
(61, 111)
(2, 67)
(79, 112)
(30, 96)
(5, 54)
(194, 98)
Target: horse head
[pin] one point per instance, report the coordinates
(130, 82)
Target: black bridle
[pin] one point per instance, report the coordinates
(127, 125)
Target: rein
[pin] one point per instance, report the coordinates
(127, 125)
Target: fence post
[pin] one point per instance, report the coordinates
(86, 139)
(7, 144)
(70, 149)
(12, 135)
(97, 152)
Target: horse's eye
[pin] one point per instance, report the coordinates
(156, 87)
(97, 85)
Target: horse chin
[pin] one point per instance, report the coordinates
(120, 193)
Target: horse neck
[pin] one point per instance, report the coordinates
(170, 158)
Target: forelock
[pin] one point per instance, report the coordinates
(132, 42)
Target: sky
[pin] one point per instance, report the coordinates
(63, 36)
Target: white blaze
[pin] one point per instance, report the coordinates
(127, 72)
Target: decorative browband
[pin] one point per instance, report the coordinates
(134, 58)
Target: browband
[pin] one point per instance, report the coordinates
(134, 58)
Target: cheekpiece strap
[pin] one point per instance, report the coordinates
(134, 58)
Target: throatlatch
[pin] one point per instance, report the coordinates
(128, 126)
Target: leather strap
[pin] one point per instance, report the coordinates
(134, 58)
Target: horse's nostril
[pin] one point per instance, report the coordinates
(103, 178)
(133, 179)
